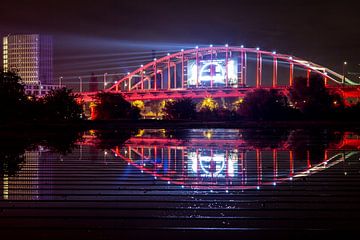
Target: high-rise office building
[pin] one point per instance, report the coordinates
(31, 56)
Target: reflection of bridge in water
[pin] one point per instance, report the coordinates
(208, 160)
(139, 186)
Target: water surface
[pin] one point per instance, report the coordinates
(181, 183)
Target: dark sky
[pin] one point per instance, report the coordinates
(98, 36)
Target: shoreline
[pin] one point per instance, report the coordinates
(178, 124)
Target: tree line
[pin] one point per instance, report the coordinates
(301, 102)
(17, 106)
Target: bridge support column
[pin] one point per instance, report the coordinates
(227, 67)
(92, 111)
(325, 81)
(155, 77)
(175, 74)
(258, 70)
(326, 155)
(275, 72)
(197, 68)
(211, 70)
(308, 74)
(162, 79)
(242, 156)
(169, 75)
(243, 68)
(275, 163)
(259, 166)
(291, 78)
(182, 71)
(291, 158)
(308, 159)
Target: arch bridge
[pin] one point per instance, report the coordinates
(221, 72)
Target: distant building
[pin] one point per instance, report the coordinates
(31, 56)
(39, 89)
(93, 84)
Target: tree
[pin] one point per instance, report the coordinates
(266, 105)
(139, 104)
(12, 96)
(12, 156)
(208, 104)
(61, 104)
(208, 109)
(315, 101)
(265, 137)
(114, 106)
(180, 109)
(351, 113)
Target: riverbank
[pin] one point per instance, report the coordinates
(157, 124)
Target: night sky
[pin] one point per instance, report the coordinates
(102, 36)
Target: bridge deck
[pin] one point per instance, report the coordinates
(200, 93)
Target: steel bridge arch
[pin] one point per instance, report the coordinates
(146, 73)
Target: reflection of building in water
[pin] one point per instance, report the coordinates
(25, 184)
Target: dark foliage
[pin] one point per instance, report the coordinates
(13, 145)
(15, 105)
(61, 104)
(312, 143)
(219, 114)
(351, 113)
(12, 96)
(315, 101)
(113, 106)
(109, 139)
(180, 109)
(266, 105)
(11, 157)
(265, 138)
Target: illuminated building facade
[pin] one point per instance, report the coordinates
(31, 56)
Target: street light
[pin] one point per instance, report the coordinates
(105, 74)
(60, 81)
(81, 86)
(344, 66)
